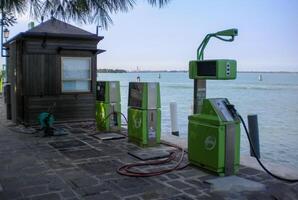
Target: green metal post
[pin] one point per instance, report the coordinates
(200, 86)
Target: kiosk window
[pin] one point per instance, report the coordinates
(76, 74)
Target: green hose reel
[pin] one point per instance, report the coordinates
(46, 120)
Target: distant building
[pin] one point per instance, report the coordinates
(53, 62)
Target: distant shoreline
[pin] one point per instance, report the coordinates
(184, 71)
(271, 72)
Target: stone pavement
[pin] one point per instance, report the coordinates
(79, 166)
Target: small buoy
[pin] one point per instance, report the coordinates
(260, 77)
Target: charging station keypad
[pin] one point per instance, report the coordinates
(228, 69)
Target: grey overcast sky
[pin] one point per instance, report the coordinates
(166, 39)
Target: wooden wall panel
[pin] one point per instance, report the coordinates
(52, 82)
(12, 79)
(19, 82)
(41, 75)
(68, 107)
(34, 67)
(50, 46)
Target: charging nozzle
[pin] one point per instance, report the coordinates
(229, 32)
(233, 110)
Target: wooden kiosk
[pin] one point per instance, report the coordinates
(52, 63)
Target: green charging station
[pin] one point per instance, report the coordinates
(214, 138)
(144, 114)
(1, 85)
(213, 131)
(108, 106)
(1, 80)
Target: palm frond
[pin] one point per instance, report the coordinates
(8, 19)
(8, 8)
(159, 3)
(13, 6)
(86, 11)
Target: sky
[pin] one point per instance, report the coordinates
(167, 39)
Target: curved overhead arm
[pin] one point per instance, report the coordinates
(230, 33)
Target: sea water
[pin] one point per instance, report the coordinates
(274, 99)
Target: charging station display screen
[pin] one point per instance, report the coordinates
(135, 95)
(100, 91)
(206, 68)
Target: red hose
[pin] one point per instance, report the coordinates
(127, 171)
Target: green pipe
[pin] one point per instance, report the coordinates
(230, 32)
(203, 43)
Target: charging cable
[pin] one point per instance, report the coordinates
(237, 115)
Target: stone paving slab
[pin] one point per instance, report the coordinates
(149, 154)
(67, 144)
(235, 184)
(82, 154)
(109, 136)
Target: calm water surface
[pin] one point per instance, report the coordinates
(275, 100)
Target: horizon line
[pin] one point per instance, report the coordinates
(241, 71)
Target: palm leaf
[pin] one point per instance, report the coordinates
(86, 11)
(159, 3)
